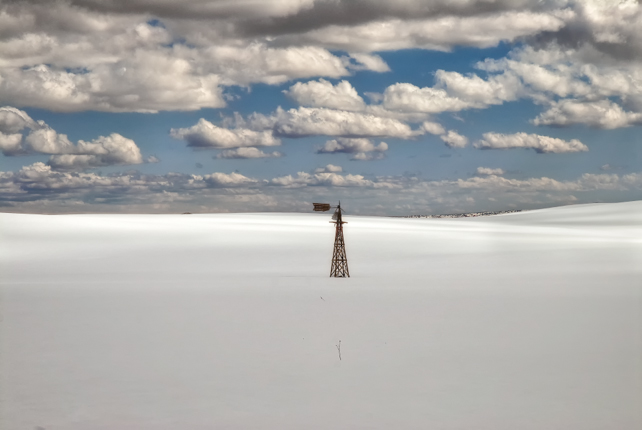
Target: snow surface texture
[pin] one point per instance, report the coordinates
(165, 322)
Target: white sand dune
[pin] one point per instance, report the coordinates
(134, 322)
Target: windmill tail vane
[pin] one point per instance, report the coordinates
(321, 207)
(339, 267)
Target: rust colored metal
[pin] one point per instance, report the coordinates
(339, 268)
(321, 207)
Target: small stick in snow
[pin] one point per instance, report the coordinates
(322, 298)
(339, 349)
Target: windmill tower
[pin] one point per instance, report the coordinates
(339, 267)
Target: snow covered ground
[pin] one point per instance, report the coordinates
(164, 322)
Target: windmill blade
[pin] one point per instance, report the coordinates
(335, 216)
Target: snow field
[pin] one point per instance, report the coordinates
(530, 320)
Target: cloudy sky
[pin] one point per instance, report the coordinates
(404, 107)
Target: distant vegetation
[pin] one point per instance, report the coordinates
(464, 215)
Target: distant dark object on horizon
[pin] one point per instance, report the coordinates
(463, 215)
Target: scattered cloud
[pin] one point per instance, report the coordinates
(42, 139)
(477, 92)
(302, 122)
(369, 62)
(454, 139)
(609, 28)
(223, 180)
(204, 134)
(74, 55)
(440, 33)
(47, 141)
(40, 186)
(608, 167)
(143, 81)
(579, 60)
(368, 156)
(13, 120)
(322, 93)
(487, 171)
(247, 152)
(433, 127)
(541, 144)
(452, 92)
(103, 151)
(600, 114)
(330, 168)
(410, 98)
(11, 144)
(361, 149)
(326, 179)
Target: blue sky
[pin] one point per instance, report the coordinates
(242, 106)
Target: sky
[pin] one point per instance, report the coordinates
(394, 108)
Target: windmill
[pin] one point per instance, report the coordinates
(339, 268)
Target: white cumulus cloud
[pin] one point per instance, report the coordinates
(75, 55)
(42, 139)
(47, 141)
(454, 139)
(204, 134)
(322, 93)
(601, 114)
(433, 127)
(361, 148)
(13, 120)
(541, 144)
(478, 92)
(410, 98)
(439, 33)
(102, 151)
(11, 144)
(304, 121)
(225, 180)
(369, 62)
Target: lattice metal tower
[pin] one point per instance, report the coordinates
(339, 267)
